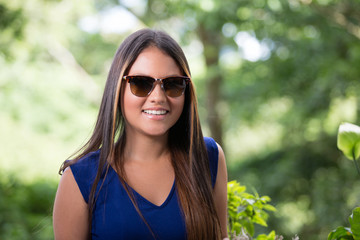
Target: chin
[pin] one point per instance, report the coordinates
(157, 132)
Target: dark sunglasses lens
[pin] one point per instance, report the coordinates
(141, 86)
(174, 86)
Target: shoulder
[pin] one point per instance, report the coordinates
(88, 160)
(215, 154)
(211, 146)
(86, 166)
(214, 150)
(84, 171)
(69, 210)
(220, 190)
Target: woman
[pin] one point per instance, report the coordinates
(146, 172)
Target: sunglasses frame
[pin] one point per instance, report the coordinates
(161, 80)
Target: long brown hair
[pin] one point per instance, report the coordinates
(185, 140)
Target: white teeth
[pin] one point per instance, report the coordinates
(154, 112)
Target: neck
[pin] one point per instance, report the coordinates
(141, 148)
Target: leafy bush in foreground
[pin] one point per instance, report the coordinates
(25, 208)
(245, 210)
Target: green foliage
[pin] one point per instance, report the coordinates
(246, 209)
(26, 208)
(348, 140)
(47, 99)
(354, 220)
(270, 236)
(12, 24)
(352, 233)
(340, 233)
(349, 143)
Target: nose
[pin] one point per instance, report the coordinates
(157, 94)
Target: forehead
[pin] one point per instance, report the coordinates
(154, 62)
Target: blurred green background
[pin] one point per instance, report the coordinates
(274, 79)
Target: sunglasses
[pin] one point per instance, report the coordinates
(142, 86)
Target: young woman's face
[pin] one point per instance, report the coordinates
(156, 113)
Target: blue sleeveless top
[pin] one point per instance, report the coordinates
(115, 217)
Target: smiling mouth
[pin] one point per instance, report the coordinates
(156, 112)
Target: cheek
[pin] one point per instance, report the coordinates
(179, 106)
(130, 102)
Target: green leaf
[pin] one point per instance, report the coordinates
(265, 199)
(259, 220)
(340, 233)
(234, 186)
(354, 220)
(237, 227)
(249, 227)
(269, 207)
(271, 236)
(348, 140)
(262, 237)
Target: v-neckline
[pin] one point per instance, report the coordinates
(145, 199)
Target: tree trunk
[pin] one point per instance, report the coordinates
(211, 42)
